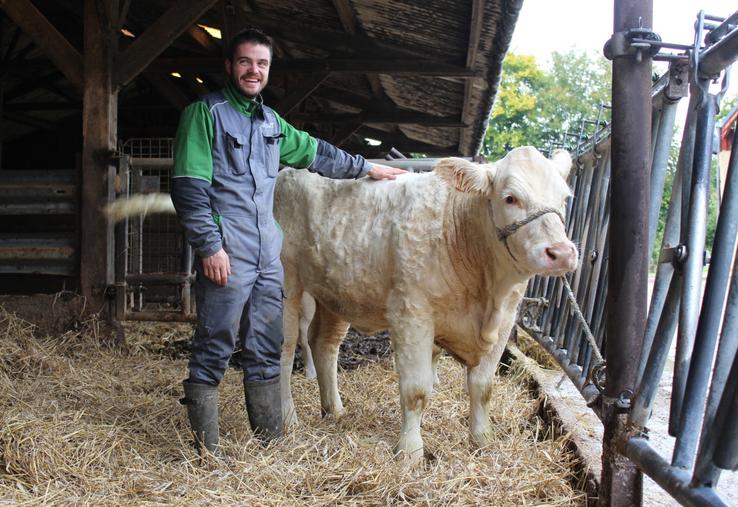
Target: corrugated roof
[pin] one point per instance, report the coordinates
(409, 72)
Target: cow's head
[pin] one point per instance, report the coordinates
(527, 196)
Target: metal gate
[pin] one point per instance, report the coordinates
(153, 262)
(704, 387)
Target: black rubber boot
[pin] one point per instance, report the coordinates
(264, 408)
(202, 410)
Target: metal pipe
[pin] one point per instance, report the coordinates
(574, 372)
(662, 146)
(722, 29)
(719, 56)
(726, 451)
(649, 384)
(674, 480)
(705, 471)
(121, 245)
(413, 164)
(160, 278)
(628, 278)
(709, 321)
(665, 270)
(692, 281)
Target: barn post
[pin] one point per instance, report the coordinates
(99, 133)
(627, 305)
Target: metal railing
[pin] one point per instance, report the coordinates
(704, 398)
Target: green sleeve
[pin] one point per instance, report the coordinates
(194, 142)
(297, 148)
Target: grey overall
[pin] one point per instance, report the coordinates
(248, 310)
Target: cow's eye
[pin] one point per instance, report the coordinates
(510, 199)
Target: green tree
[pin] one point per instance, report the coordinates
(513, 118)
(540, 107)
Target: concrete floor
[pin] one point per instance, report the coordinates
(586, 431)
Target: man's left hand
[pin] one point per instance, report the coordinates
(384, 172)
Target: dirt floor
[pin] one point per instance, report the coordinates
(86, 423)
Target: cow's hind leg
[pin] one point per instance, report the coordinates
(307, 311)
(291, 325)
(325, 335)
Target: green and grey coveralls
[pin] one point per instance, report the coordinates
(227, 152)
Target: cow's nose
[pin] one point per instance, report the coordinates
(562, 255)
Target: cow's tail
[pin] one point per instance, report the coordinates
(139, 204)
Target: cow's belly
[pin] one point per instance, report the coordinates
(358, 307)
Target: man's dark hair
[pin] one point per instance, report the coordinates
(253, 35)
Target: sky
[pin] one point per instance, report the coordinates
(585, 25)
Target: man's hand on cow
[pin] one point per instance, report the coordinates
(384, 172)
(217, 267)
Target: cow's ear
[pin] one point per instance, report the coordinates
(561, 160)
(463, 175)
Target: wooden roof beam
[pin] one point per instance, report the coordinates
(475, 32)
(157, 37)
(397, 117)
(166, 89)
(344, 134)
(297, 95)
(346, 15)
(54, 45)
(416, 67)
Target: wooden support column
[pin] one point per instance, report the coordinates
(99, 131)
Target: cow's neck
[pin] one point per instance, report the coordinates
(480, 261)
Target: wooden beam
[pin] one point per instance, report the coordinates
(397, 117)
(157, 37)
(300, 93)
(475, 31)
(346, 15)
(53, 44)
(343, 135)
(99, 134)
(166, 89)
(229, 19)
(415, 67)
(333, 41)
(400, 141)
(339, 96)
(204, 39)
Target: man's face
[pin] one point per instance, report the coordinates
(249, 69)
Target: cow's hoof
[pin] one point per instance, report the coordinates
(332, 413)
(411, 458)
(289, 418)
(410, 448)
(482, 438)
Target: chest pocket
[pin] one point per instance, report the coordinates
(272, 141)
(237, 152)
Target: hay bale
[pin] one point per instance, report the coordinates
(84, 423)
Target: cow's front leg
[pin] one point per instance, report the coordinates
(291, 321)
(325, 334)
(479, 380)
(413, 344)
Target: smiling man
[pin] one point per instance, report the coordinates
(227, 152)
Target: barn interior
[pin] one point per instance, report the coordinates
(87, 83)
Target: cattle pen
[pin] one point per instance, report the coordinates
(95, 317)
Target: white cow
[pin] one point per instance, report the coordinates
(437, 257)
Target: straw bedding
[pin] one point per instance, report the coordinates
(84, 423)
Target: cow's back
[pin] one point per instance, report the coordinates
(348, 242)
